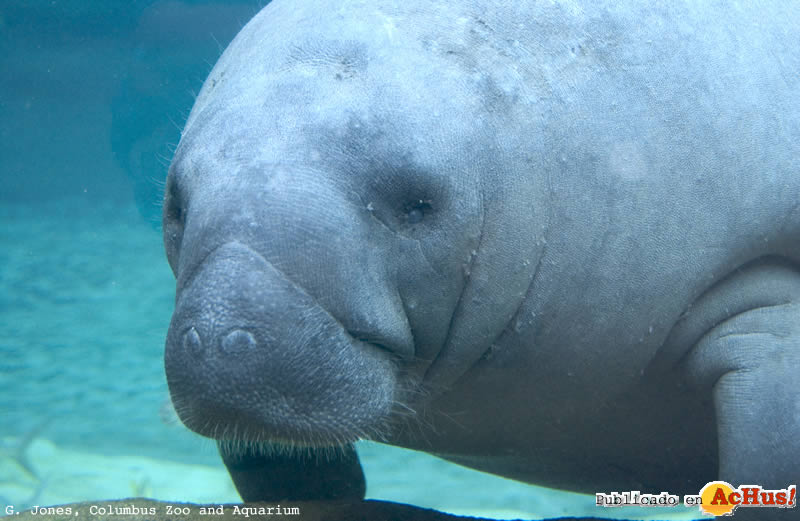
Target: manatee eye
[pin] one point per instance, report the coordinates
(174, 220)
(416, 210)
(174, 211)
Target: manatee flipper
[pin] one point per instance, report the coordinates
(752, 362)
(306, 474)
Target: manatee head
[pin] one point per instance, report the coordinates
(336, 216)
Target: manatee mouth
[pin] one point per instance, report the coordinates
(251, 357)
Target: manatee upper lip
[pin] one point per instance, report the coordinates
(276, 391)
(356, 334)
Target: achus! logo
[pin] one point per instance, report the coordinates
(719, 498)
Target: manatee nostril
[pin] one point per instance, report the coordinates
(192, 342)
(238, 340)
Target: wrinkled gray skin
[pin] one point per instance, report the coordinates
(556, 241)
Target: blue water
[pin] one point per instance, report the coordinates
(92, 97)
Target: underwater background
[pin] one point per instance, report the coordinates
(92, 98)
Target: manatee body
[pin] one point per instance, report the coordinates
(555, 241)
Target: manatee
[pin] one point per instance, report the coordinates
(554, 241)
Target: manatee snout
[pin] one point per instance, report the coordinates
(251, 356)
